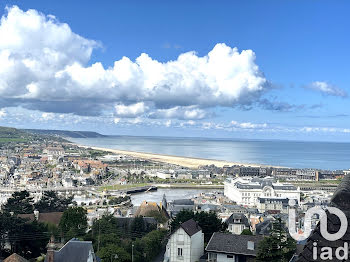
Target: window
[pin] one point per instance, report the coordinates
(230, 256)
(212, 256)
(179, 252)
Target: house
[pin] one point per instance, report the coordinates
(146, 208)
(236, 223)
(15, 258)
(186, 244)
(73, 251)
(224, 247)
(264, 227)
(125, 223)
(47, 218)
(178, 205)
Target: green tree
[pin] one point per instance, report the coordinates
(209, 222)
(119, 200)
(138, 227)
(159, 216)
(73, 223)
(107, 224)
(115, 253)
(247, 232)
(152, 243)
(33, 240)
(50, 202)
(278, 247)
(19, 203)
(27, 239)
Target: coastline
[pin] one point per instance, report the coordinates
(189, 162)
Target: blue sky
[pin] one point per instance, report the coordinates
(287, 78)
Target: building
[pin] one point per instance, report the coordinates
(236, 223)
(53, 218)
(150, 208)
(175, 206)
(249, 171)
(186, 244)
(278, 204)
(73, 251)
(247, 190)
(283, 173)
(224, 247)
(307, 174)
(15, 258)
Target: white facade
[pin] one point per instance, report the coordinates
(236, 228)
(184, 248)
(218, 257)
(246, 190)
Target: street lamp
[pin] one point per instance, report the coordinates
(132, 252)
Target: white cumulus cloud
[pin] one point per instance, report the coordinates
(248, 125)
(45, 66)
(132, 110)
(327, 89)
(180, 112)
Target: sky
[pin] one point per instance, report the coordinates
(221, 69)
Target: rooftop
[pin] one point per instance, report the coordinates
(233, 244)
(191, 227)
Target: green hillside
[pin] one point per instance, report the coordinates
(9, 134)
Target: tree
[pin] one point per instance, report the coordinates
(109, 252)
(119, 200)
(148, 247)
(107, 224)
(152, 243)
(278, 247)
(247, 232)
(17, 235)
(209, 222)
(50, 202)
(19, 203)
(73, 222)
(32, 240)
(158, 215)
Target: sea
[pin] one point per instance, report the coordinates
(294, 154)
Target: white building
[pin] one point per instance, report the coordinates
(247, 190)
(186, 244)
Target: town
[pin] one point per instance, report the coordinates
(64, 202)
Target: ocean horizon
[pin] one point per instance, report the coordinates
(288, 153)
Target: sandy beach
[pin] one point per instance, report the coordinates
(189, 162)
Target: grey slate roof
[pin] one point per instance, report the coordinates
(262, 182)
(264, 228)
(243, 219)
(191, 227)
(75, 251)
(340, 200)
(183, 202)
(233, 244)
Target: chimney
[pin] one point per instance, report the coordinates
(250, 245)
(51, 250)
